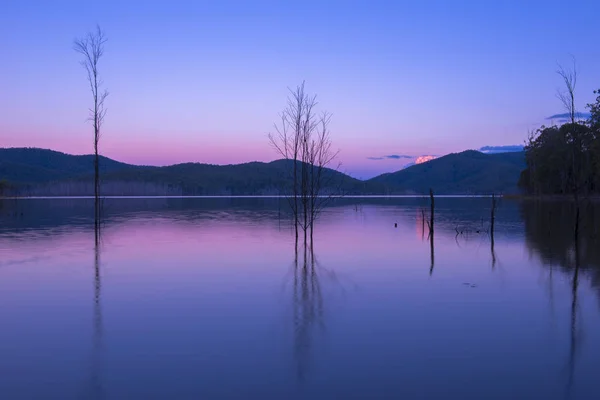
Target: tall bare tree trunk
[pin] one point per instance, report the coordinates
(431, 213)
(493, 216)
(567, 97)
(91, 47)
(295, 211)
(492, 227)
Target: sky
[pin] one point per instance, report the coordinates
(204, 81)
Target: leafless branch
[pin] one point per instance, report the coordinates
(303, 138)
(567, 96)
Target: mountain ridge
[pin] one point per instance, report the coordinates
(467, 172)
(35, 171)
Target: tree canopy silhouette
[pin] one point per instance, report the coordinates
(564, 159)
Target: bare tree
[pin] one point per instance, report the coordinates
(567, 96)
(322, 156)
(287, 141)
(91, 47)
(303, 138)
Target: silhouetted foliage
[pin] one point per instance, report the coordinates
(3, 187)
(564, 159)
(595, 112)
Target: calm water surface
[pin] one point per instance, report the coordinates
(206, 299)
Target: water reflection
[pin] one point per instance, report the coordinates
(431, 253)
(573, 331)
(552, 234)
(97, 391)
(492, 231)
(549, 235)
(201, 298)
(307, 307)
(310, 280)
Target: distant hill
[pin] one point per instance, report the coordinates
(32, 165)
(469, 172)
(254, 178)
(45, 172)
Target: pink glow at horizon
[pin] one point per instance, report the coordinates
(205, 81)
(163, 149)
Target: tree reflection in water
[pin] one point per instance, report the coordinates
(308, 308)
(309, 312)
(97, 391)
(550, 235)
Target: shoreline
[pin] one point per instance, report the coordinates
(375, 196)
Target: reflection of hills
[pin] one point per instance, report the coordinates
(56, 213)
(549, 234)
(49, 214)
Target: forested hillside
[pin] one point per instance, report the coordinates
(44, 172)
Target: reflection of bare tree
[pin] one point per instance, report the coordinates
(430, 223)
(549, 228)
(309, 278)
(573, 344)
(492, 249)
(421, 216)
(431, 253)
(96, 384)
(308, 308)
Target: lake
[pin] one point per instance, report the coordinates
(208, 299)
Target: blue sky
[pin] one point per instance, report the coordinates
(204, 80)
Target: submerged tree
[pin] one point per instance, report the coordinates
(91, 47)
(302, 137)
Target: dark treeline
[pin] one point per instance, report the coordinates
(565, 159)
(4, 187)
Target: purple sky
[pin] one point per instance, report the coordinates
(204, 81)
